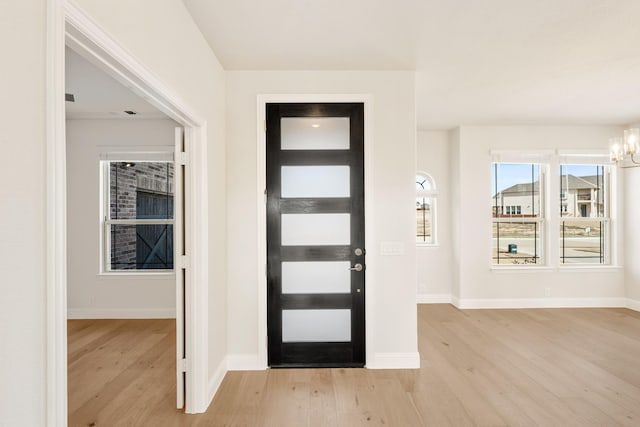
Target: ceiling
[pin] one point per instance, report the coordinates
(483, 62)
(98, 95)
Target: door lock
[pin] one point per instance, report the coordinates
(357, 267)
(359, 251)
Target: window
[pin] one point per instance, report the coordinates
(425, 209)
(517, 213)
(584, 214)
(514, 210)
(137, 215)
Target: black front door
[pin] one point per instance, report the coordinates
(315, 234)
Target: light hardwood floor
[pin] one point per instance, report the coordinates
(544, 367)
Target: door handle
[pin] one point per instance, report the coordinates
(357, 267)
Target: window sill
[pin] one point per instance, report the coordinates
(427, 245)
(590, 268)
(136, 275)
(521, 269)
(561, 269)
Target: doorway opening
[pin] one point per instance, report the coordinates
(69, 26)
(125, 213)
(366, 101)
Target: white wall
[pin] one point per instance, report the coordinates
(89, 294)
(456, 192)
(391, 280)
(170, 45)
(632, 229)
(22, 217)
(434, 263)
(482, 286)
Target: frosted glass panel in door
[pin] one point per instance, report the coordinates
(314, 133)
(316, 277)
(316, 325)
(315, 181)
(316, 229)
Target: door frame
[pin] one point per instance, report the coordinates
(67, 24)
(261, 235)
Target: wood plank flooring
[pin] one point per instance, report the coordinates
(539, 367)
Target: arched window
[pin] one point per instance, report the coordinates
(426, 195)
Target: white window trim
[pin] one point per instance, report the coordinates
(106, 222)
(551, 160)
(542, 159)
(593, 158)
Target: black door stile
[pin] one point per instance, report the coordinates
(315, 354)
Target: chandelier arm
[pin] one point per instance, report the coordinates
(633, 164)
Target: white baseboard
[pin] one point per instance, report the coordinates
(394, 361)
(488, 303)
(250, 362)
(633, 304)
(455, 301)
(470, 303)
(244, 362)
(121, 313)
(216, 380)
(434, 298)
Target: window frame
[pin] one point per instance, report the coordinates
(431, 194)
(541, 221)
(552, 202)
(606, 227)
(106, 222)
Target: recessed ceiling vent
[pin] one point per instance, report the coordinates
(130, 112)
(69, 97)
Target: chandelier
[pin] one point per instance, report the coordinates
(625, 150)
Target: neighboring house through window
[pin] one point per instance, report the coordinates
(425, 209)
(584, 214)
(583, 205)
(137, 215)
(517, 213)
